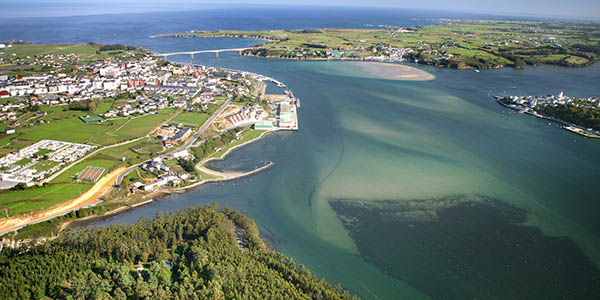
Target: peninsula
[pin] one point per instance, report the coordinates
(459, 44)
(197, 253)
(95, 129)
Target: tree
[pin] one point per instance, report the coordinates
(19, 187)
(187, 164)
(203, 262)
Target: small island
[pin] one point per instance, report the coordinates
(457, 44)
(579, 115)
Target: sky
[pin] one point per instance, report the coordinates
(582, 9)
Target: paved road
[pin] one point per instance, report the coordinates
(261, 88)
(125, 173)
(187, 145)
(205, 125)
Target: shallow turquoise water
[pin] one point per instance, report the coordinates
(372, 139)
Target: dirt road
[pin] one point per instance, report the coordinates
(103, 186)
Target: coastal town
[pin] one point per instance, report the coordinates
(146, 124)
(578, 115)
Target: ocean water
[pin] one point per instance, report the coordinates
(395, 189)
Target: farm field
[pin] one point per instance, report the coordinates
(480, 44)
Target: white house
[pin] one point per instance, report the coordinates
(182, 153)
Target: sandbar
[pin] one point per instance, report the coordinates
(393, 71)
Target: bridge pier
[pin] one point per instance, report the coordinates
(217, 53)
(191, 58)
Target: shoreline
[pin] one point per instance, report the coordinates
(160, 194)
(222, 156)
(368, 67)
(226, 177)
(420, 62)
(461, 68)
(565, 125)
(102, 188)
(99, 189)
(394, 71)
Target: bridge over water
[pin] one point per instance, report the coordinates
(191, 53)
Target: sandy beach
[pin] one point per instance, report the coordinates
(392, 71)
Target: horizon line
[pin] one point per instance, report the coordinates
(216, 6)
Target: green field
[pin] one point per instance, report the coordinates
(25, 59)
(145, 174)
(191, 118)
(23, 161)
(7, 100)
(66, 126)
(24, 50)
(103, 107)
(110, 159)
(65, 187)
(35, 199)
(459, 44)
(248, 135)
(45, 165)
